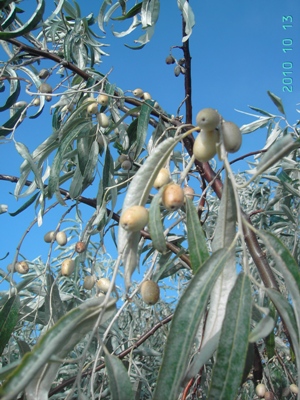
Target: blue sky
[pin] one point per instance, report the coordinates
(237, 55)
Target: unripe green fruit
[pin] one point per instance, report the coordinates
(44, 73)
(172, 197)
(80, 247)
(204, 147)
(134, 218)
(103, 284)
(150, 292)
(126, 165)
(189, 192)
(260, 390)
(170, 59)
(22, 267)
(67, 267)
(147, 96)
(36, 102)
(269, 396)
(45, 88)
(294, 388)
(61, 238)
(49, 237)
(232, 136)
(208, 119)
(163, 177)
(89, 282)
(103, 120)
(92, 108)
(102, 99)
(138, 92)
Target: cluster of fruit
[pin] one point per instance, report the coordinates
(180, 64)
(262, 392)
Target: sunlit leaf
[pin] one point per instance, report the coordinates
(131, 13)
(155, 224)
(188, 17)
(277, 101)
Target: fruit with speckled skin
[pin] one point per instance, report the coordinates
(134, 218)
(150, 292)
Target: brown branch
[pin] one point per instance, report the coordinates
(187, 78)
(121, 355)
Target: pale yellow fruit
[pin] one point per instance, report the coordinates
(103, 120)
(134, 218)
(49, 237)
(150, 292)
(163, 177)
(173, 197)
(260, 390)
(103, 284)
(67, 267)
(61, 238)
(208, 119)
(36, 102)
(45, 88)
(89, 282)
(294, 388)
(204, 148)
(22, 267)
(189, 192)
(138, 92)
(102, 99)
(232, 136)
(147, 96)
(92, 108)
(44, 73)
(80, 247)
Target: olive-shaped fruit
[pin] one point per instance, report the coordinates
(294, 388)
(134, 218)
(269, 396)
(22, 267)
(181, 61)
(147, 96)
(260, 390)
(80, 247)
(170, 59)
(172, 197)
(208, 119)
(150, 292)
(102, 99)
(103, 120)
(20, 104)
(92, 108)
(177, 70)
(189, 192)
(36, 102)
(44, 73)
(163, 177)
(103, 284)
(126, 165)
(204, 147)
(138, 92)
(48, 98)
(61, 238)
(122, 157)
(89, 282)
(45, 88)
(49, 237)
(232, 136)
(67, 267)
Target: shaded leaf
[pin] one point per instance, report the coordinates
(25, 206)
(155, 224)
(8, 320)
(119, 382)
(277, 101)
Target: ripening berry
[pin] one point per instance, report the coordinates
(45, 88)
(61, 238)
(89, 282)
(208, 119)
(189, 192)
(67, 267)
(147, 96)
(36, 102)
(49, 237)
(172, 197)
(204, 147)
(232, 136)
(126, 165)
(48, 98)
(134, 218)
(170, 59)
(260, 390)
(102, 99)
(103, 120)
(44, 73)
(103, 284)
(92, 108)
(294, 388)
(163, 177)
(269, 396)
(177, 70)
(22, 267)
(138, 92)
(80, 247)
(150, 292)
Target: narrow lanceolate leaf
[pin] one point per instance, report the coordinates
(8, 320)
(155, 224)
(232, 351)
(188, 17)
(119, 382)
(142, 126)
(36, 372)
(15, 88)
(288, 266)
(224, 235)
(186, 320)
(26, 205)
(277, 101)
(29, 26)
(196, 238)
(12, 123)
